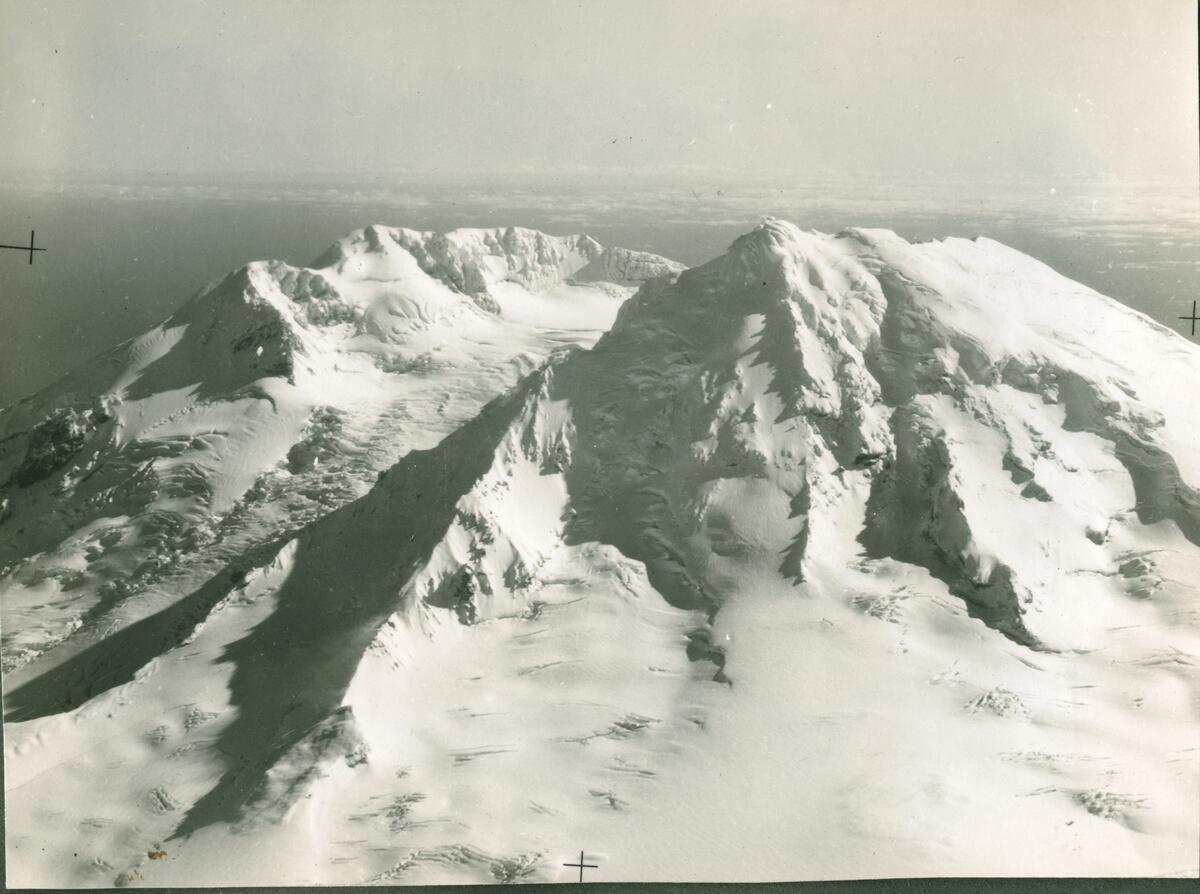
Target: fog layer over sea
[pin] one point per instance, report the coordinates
(123, 255)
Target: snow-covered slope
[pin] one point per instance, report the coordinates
(167, 456)
(837, 556)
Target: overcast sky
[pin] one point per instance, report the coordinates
(997, 87)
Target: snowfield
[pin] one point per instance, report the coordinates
(455, 554)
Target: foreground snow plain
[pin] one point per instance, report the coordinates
(837, 556)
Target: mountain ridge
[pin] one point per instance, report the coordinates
(796, 507)
(268, 364)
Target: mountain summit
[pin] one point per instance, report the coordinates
(829, 554)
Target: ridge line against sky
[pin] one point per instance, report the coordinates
(1093, 88)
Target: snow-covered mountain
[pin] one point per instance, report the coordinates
(837, 556)
(271, 397)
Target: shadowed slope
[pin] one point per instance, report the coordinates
(292, 670)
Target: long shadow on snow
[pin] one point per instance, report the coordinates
(291, 672)
(116, 659)
(232, 334)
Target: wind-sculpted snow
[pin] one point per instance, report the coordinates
(829, 533)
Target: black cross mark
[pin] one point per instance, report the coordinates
(1193, 318)
(29, 248)
(582, 866)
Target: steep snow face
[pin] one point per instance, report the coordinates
(947, 379)
(170, 454)
(856, 545)
(1033, 440)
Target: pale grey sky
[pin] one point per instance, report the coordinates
(943, 87)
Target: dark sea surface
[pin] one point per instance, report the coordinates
(122, 256)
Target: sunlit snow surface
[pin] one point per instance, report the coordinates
(836, 557)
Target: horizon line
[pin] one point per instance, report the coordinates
(667, 174)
